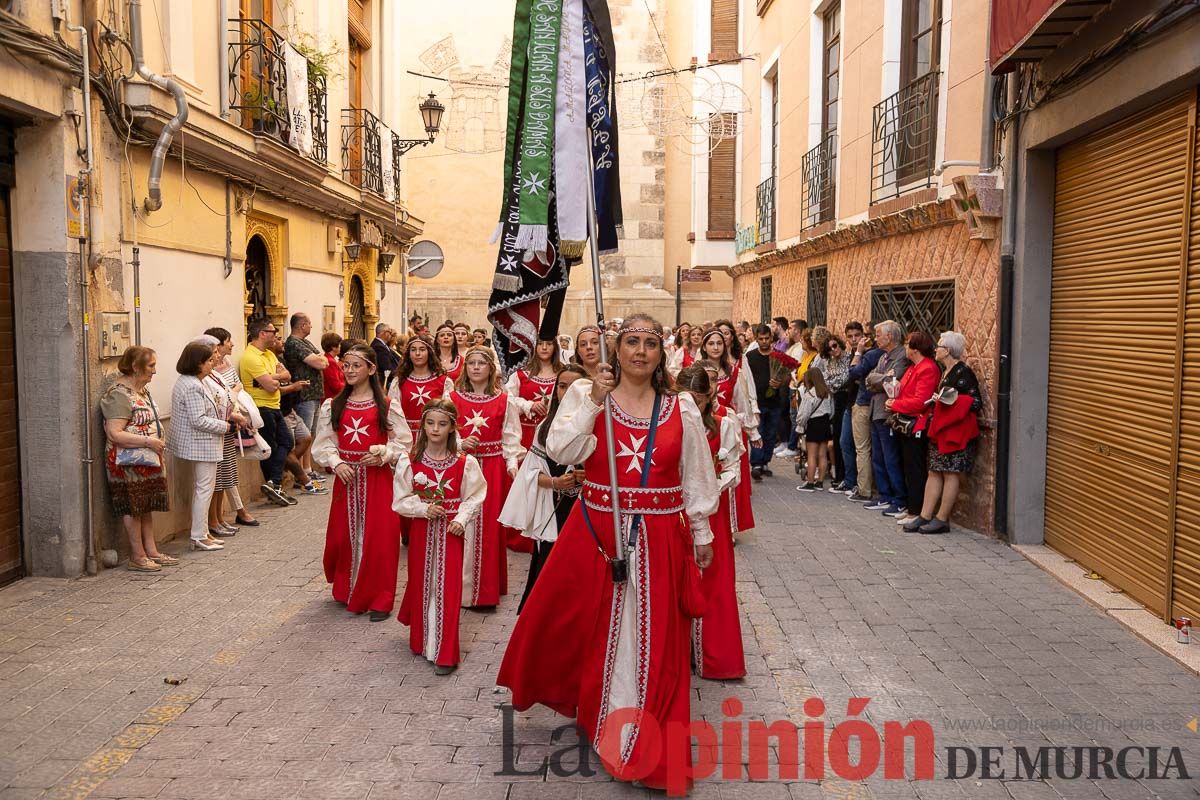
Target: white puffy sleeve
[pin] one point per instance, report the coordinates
(399, 435)
(448, 386)
(393, 391)
(404, 500)
(472, 494)
(700, 492)
(510, 436)
(675, 362)
(570, 439)
(745, 400)
(513, 388)
(528, 506)
(324, 449)
(730, 453)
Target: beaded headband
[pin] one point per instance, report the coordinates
(588, 329)
(363, 359)
(430, 407)
(638, 329)
(713, 332)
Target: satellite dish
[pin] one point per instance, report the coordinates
(425, 259)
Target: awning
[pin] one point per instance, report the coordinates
(1029, 30)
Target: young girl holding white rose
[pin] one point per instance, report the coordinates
(441, 491)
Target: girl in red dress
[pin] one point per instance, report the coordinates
(717, 636)
(533, 384)
(360, 435)
(686, 350)
(419, 379)
(585, 645)
(489, 428)
(735, 390)
(447, 350)
(442, 491)
(587, 348)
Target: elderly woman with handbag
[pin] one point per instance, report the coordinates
(953, 433)
(226, 386)
(133, 457)
(909, 418)
(198, 429)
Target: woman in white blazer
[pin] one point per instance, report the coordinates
(197, 434)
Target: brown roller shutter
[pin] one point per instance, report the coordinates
(1114, 314)
(1186, 557)
(724, 29)
(722, 186)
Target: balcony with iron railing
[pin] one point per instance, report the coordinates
(258, 88)
(818, 170)
(904, 139)
(765, 208)
(362, 160)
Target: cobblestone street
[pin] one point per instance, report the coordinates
(237, 676)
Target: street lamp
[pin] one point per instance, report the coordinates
(352, 251)
(431, 115)
(385, 262)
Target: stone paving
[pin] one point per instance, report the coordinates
(237, 676)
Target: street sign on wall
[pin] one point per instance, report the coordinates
(695, 276)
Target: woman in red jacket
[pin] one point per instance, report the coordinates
(952, 431)
(912, 399)
(332, 378)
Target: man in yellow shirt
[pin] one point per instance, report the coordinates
(262, 374)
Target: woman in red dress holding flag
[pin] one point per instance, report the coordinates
(533, 384)
(735, 390)
(442, 492)
(447, 350)
(614, 655)
(717, 636)
(489, 428)
(360, 435)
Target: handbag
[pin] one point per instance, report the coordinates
(259, 450)
(141, 456)
(903, 424)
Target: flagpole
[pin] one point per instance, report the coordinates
(594, 249)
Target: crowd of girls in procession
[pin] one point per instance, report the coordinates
(443, 456)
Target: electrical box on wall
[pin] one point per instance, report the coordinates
(336, 235)
(114, 333)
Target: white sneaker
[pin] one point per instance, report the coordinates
(787, 452)
(907, 518)
(779, 448)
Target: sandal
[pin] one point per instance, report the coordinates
(145, 565)
(164, 560)
(249, 523)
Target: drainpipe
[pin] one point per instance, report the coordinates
(159, 157)
(1004, 371)
(85, 257)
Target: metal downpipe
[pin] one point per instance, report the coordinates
(157, 160)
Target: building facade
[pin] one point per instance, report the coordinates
(861, 195)
(275, 194)
(1105, 302)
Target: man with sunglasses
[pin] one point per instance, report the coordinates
(262, 375)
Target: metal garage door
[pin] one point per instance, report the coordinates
(1122, 202)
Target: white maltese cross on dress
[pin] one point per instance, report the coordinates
(422, 395)
(356, 429)
(477, 422)
(635, 451)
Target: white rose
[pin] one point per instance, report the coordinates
(421, 479)
(377, 450)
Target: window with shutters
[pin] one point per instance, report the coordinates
(724, 43)
(925, 307)
(722, 182)
(764, 301)
(818, 295)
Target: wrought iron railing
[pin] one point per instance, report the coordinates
(397, 152)
(258, 86)
(362, 161)
(318, 110)
(904, 139)
(765, 203)
(819, 170)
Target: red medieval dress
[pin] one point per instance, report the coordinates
(362, 546)
(736, 393)
(717, 636)
(532, 390)
(433, 594)
(456, 369)
(587, 647)
(495, 421)
(414, 394)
